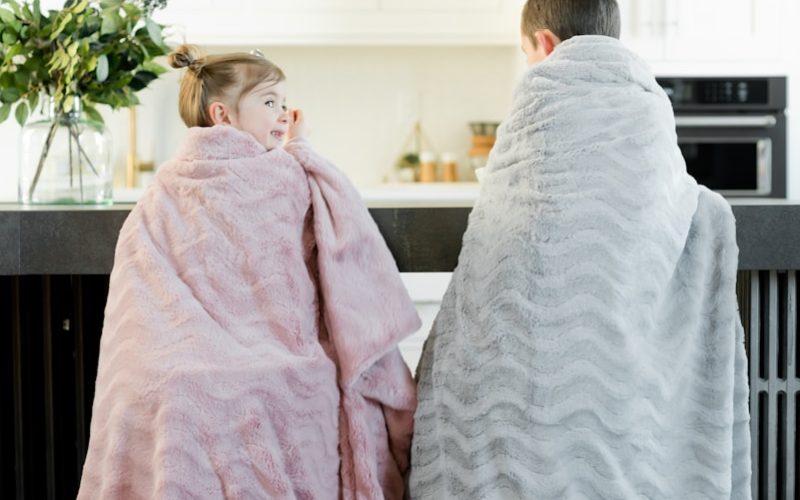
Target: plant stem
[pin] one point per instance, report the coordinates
(80, 166)
(45, 149)
(69, 141)
(73, 129)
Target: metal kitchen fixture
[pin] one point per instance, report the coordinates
(732, 132)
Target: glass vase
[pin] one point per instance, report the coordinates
(65, 159)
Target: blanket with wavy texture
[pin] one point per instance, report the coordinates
(589, 344)
(249, 345)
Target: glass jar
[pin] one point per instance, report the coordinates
(65, 159)
(449, 167)
(427, 167)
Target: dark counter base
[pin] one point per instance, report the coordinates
(51, 328)
(50, 342)
(54, 267)
(55, 241)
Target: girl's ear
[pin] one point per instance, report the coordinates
(219, 113)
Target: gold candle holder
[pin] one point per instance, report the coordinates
(132, 165)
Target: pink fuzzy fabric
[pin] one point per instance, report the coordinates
(250, 340)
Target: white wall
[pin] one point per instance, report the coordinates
(9, 131)
(361, 103)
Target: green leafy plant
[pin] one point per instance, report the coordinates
(408, 160)
(100, 52)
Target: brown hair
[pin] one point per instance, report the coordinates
(224, 77)
(568, 18)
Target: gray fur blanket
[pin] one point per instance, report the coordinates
(589, 344)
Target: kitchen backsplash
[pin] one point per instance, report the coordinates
(360, 102)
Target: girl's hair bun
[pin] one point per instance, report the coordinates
(186, 56)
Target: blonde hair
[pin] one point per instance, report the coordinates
(223, 77)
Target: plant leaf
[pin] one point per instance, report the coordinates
(33, 101)
(5, 110)
(80, 6)
(111, 22)
(21, 77)
(14, 50)
(102, 68)
(141, 79)
(154, 68)
(14, 6)
(154, 30)
(10, 95)
(21, 113)
(111, 4)
(92, 113)
(6, 16)
(61, 25)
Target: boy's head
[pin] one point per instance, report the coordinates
(546, 23)
(239, 89)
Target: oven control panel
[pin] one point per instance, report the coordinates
(722, 91)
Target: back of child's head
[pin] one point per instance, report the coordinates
(568, 18)
(223, 77)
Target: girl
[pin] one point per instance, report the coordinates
(250, 341)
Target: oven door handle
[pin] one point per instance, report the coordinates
(766, 121)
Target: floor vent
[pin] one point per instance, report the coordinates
(768, 304)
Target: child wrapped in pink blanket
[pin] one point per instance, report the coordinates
(250, 341)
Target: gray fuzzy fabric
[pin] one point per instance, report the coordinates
(589, 344)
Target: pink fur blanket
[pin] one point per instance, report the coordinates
(250, 341)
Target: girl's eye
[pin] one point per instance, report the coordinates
(270, 104)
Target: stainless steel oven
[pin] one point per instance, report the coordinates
(732, 132)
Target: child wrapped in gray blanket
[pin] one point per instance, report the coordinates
(589, 344)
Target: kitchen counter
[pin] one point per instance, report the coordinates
(387, 195)
(43, 240)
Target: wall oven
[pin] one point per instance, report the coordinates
(732, 132)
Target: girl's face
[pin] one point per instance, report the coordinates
(262, 113)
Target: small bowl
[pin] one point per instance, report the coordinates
(484, 128)
(491, 128)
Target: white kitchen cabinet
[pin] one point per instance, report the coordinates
(704, 30)
(343, 22)
(642, 29)
(450, 5)
(724, 29)
(303, 5)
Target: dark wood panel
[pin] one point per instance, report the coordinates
(9, 339)
(50, 328)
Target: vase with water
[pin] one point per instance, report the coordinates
(65, 158)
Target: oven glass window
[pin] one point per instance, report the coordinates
(722, 166)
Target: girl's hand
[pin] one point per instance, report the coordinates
(297, 125)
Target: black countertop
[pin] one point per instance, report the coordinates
(81, 240)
